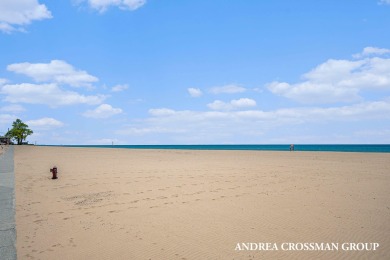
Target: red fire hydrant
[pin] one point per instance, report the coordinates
(54, 171)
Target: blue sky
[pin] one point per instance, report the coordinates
(196, 72)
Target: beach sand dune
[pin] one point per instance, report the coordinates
(186, 204)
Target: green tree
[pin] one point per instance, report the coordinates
(19, 131)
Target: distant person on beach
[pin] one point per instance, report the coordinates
(291, 147)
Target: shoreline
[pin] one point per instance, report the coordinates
(345, 148)
(197, 204)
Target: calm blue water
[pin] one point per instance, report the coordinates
(374, 148)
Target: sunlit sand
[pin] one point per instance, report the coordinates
(186, 204)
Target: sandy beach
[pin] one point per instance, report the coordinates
(186, 204)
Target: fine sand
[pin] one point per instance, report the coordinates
(184, 204)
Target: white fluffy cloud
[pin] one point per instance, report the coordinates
(45, 123)
(371, 51)
(233, 104)
(57, 71)
(308, 92)
(243, 103)
(15, 14)
(103, 111)
(338, 80)
(219, 105)
(48, 94)
(119, 88)
(103, 5)
(228, 89)
(194, 92)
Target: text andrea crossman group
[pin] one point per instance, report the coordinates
(347, 246)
